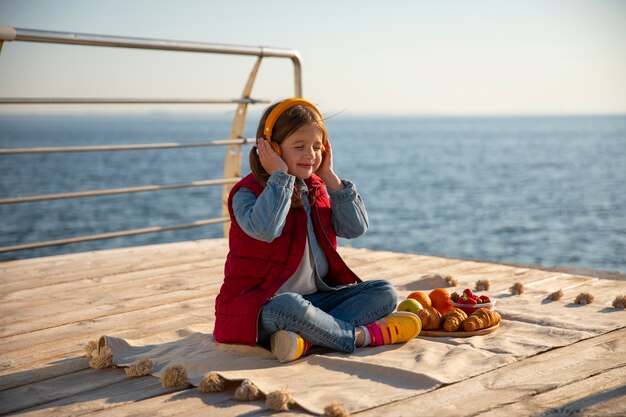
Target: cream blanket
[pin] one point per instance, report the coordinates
(372, 377)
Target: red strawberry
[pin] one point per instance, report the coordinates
(467, 292)
(471, 301)
(485, 299)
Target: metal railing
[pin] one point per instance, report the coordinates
(232, 159)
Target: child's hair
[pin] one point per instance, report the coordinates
(287, 124)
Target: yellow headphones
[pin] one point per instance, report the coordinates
(275, 114)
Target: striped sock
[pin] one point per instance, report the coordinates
(379, 333)
(398, 327)
(368, 339)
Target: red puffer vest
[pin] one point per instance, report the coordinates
(255, 270)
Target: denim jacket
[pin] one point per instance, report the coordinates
(263, 218)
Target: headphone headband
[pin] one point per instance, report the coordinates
(280, 109)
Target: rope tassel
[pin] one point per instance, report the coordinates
(556, 296)
(140, 367)
(212, 382)
(174, 376)
(101, 358)
(90, 347)
(279, 400)
(517, 288)
(483, 285)
(335, 409)
(247, 391)
(584, 298)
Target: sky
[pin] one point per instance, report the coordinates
(477, 57)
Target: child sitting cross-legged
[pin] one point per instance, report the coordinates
(285, 284)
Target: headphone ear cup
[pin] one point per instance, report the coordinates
(276, 148)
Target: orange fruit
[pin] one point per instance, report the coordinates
(441, 299)
(421, 297)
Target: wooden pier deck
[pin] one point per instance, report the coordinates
(50, 307)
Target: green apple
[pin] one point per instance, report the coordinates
(410, 305)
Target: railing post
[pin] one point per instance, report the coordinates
(7, 33)
(297, 74)
(232, 159)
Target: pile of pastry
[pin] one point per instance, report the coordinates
(436, 311)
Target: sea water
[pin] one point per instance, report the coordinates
(546, 190)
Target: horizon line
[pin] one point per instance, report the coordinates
(334, 114)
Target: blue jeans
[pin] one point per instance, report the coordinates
(328, 318)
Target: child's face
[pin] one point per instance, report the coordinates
(302, 151)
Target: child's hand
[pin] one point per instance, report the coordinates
(325, 171)
(270, 160)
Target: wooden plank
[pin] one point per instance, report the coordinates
(466, 272)
(67, 289)
(502, 280)
(501, 283)
(403, 263)
(415, 268)
(99, 312)
(32, 350)
(41, 392)
(147, 400)
(363, 255)
(41, 365)
(466, 275)
(151, 399)
(105, 395)
(43, 371)
(500, 276)
(194, 404)
(396, 273)
(392, 267)
(99, 300)
(518, 381)
(49, 272)
(106, 256)
(81, 272)
(603, 394)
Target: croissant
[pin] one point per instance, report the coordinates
(481, 319)
(453, 319)
(430, 317)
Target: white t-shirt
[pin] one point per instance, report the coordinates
(303, 280)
